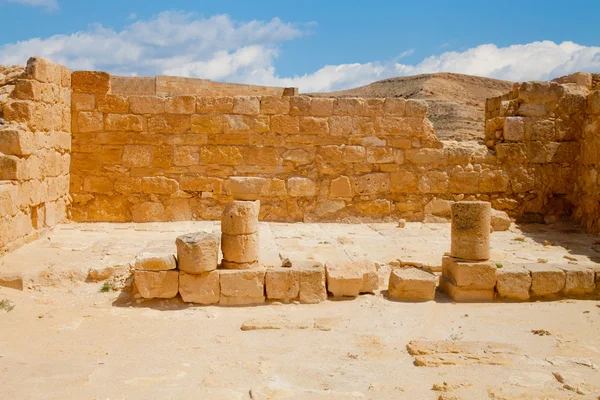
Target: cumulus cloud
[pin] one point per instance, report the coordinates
(48, 4)
(218, 48)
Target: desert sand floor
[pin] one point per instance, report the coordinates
(65, 340)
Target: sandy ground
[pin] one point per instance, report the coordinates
(64, 339)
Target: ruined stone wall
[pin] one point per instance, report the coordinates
(536, 130)
(35, 141)
(587, 193)
(153, 158)
(166, 86)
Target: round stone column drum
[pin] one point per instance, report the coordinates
(471, 230)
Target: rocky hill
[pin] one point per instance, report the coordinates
(456, 101)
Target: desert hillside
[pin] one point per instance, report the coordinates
(456, 101)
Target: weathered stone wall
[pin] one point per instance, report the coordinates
(536, 131)
(166, 86)
(153, 158)
(35, 141)
(587, 193)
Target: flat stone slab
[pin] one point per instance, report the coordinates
(412, 284)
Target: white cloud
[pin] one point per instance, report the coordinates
(48, 4)
(218, 48)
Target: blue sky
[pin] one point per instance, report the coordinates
(317, 45)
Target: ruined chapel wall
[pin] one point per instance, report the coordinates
(153, 158)
(587, 188)
(35, 142)
(537, 129)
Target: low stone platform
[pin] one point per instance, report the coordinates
(93, 252)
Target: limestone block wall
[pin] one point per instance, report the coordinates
(587, 193)
(35, 142)
(166, 86)
(536, 130)
(154, 158)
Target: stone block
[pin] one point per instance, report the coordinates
(351, 278)
(285, 124)
(155, 262)
(371, 183)
(112, 103)
(214, 105)
(314, 125)
(270, 105)
(198, 252)
(301, 187)
(282, 284)
(411, 284)
(500, 221)
(240, 218)
(513, 282)
(206, 124)
(462, 294)
(340, 187)
(546, 279)
(159, 185)
(180, 105)
(394, 107)
(246, 105)
(203, 288)
(313, 282)
(321, 107)
(233, 265)
(17, 142)
(245, 188)
(90, 122)
(470, 234)
(469, 274)
(157, 284)
(416, 108)
(514, 129)
(403, 182)
(579, 280)
(124, 123)
(342, 281)
(147, 105)
(90, 81)
(240, 248)
(224, 155)
(244, 287)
